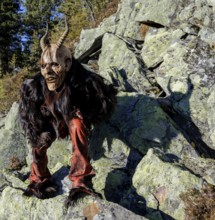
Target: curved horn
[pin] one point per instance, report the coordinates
(168, 86)
(63, 37)
(44, 39)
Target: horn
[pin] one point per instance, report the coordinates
(44, 40)
(63, 37)
(168, 86)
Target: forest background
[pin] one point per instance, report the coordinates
(23, 22)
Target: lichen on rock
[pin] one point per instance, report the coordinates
(160, 140)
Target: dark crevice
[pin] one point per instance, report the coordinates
(135, 46)
(192, 172)
(155, 67)
(122, 74)
(158, 203)
(85, 57)
(151, 80)
(8, 183)
(132, 44)
(152, 24)
(183, 37)
(3, 187)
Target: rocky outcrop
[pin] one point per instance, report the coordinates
(159, 142)
(12, 140)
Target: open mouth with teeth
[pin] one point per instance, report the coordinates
(51, 79)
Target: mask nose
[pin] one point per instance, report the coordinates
(49, 70)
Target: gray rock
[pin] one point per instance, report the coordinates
(126, 24)
(122, 23)
(157, 42)
(107, 211)
(160, 12)
(90, 38)
(121, 66)
(190, 84)
(201, 167)
(117, 147)
(151, 150)
(32, 208)
(12, 141)
(161, 181)
(207, 35)
(141, 123)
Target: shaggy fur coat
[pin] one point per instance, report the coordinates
(45, 114)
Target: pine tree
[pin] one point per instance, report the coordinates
(38, 13)
(10, 22)
(80, 14)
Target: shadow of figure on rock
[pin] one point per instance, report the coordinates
(183, 121)
(120, 145)
(139, 123)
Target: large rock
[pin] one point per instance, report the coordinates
(121, 23)
(183, 64)
(189, 15)
(161, 180)
(186, 76)
(14, 205)
(157, 42)
(121, 66)
(160, 54)
(117, 146)
(12, 141)
(156, 11)
(140, 123)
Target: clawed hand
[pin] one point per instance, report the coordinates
(48, 189)
(42, 190)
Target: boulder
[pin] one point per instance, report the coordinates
(160, 140)
(161, 180)
(122, 23)
(158, 12)
(12, 141)
(121, 66)
(14, 205)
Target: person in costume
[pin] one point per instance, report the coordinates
(63, 99)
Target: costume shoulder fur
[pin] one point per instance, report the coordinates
(45, 114)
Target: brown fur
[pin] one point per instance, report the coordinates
(45, 114)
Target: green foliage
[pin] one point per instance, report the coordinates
(81, 15)
(38, 12)
(21, 32)
(9, 89)
(19, 40)
(200, 204)
(10, 42)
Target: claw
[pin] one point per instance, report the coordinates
(41, 190)
(78, 193)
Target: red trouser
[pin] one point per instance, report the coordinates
(80, 164)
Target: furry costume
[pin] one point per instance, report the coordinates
(82, 99)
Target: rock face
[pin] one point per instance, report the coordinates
(159, 142)
(13, 142)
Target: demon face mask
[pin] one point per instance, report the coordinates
(56, 61)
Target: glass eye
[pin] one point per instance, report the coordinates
(55, 64)
(43, 66)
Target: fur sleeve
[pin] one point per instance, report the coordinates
(35, 120)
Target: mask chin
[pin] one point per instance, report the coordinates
(51, 86)
(58, 85)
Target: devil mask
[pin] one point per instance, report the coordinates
(56, 60)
